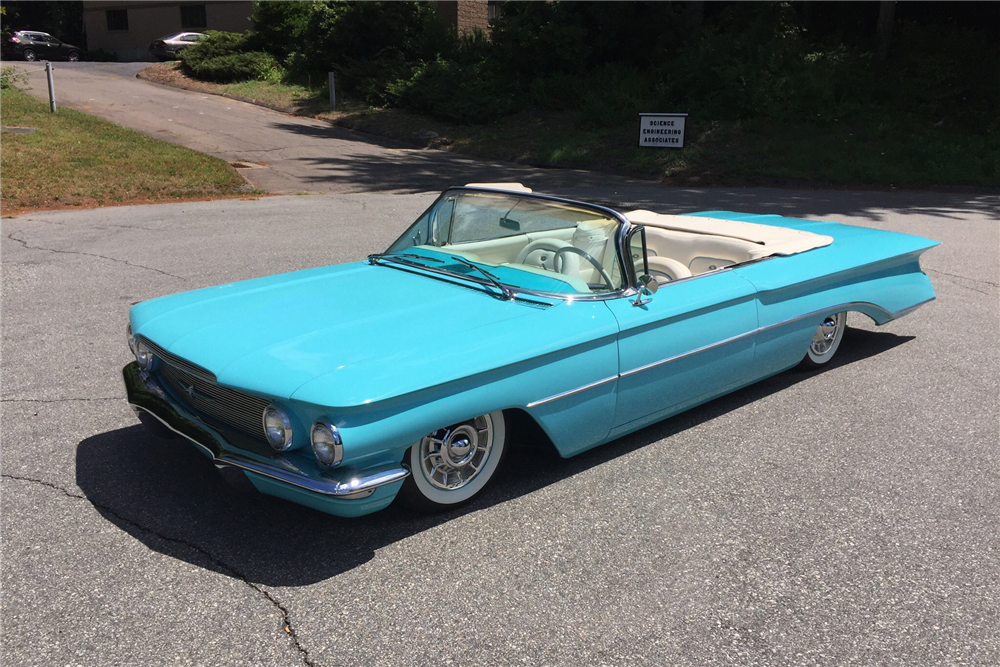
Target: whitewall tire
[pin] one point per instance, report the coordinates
(825, 341)
(452, 465)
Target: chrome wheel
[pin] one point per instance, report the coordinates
(452, 457)
(825, 334)
(826, 340)
(453, 464)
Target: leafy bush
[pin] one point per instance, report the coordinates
(238, 67)
(615, 94)
(464, 93)
(221, 57)
(278, 26)
(11, 77)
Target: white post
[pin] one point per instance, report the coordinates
(333, 94)
(52, 89)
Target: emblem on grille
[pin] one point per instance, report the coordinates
(193, 393)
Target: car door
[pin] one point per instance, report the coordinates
(689, 342)
(54, 48)
(36, 43)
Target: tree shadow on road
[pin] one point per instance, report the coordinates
(171, 498)
(423, 170)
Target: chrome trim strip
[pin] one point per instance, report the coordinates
(835, 309)
(823, 311)
(689, 353)
(585, 387)
(331, 486)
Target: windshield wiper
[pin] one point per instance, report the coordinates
(390, 255)
(507, 292)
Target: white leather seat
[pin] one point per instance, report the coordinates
(664, 269)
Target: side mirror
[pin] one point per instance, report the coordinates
(647, 288)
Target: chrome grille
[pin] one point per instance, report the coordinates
(228, 406)
(179, 363)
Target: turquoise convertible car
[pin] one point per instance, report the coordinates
(341, 387)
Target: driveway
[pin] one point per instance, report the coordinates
(302, 155)
(847, 517)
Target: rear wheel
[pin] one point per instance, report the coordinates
(825, 341)
(452, 465)
(29, 55)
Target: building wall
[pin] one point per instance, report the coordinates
(148, 21)
(467, 16)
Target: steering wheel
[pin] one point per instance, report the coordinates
(587, 256)
(543, 253)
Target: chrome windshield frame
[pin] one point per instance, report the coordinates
(624, 229)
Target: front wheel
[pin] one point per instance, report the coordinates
(451, 465)
(73, 57)
(825, 341)
(29, 55)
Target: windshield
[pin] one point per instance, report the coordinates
(523, 242)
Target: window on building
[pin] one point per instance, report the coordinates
(117, 19)
(193, 16)
(493, 10)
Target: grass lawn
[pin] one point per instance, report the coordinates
(73, 159)
(891, 151)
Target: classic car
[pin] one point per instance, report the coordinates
(341, 387)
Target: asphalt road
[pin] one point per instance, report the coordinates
(302, 155)
(848, 517)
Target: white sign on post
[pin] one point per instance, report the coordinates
(662, 130)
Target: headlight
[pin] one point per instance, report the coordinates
(278, 428)
(326, 443)
(143, 355)
(130, 337)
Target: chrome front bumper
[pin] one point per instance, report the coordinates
(341, 484)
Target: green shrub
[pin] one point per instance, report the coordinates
(222, 57)
(238, 67)
(615, 95)
(464, 93)
(11, 77)
(215, 44)
(278, 26)
(347, 37)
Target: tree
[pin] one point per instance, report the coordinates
(883, 33)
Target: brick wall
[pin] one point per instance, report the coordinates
(467, 16)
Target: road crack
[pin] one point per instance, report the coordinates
(971, 280)
(288, 628)
(89, 254)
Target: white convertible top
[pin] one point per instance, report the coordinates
(767, 240)
(509, 187)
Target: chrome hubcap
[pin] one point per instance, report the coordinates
(826, 334)
(452, 457)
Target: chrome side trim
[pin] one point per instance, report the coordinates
(355, 486)
(689, 353)
(585, 387)
(816, 313)
(832, 309)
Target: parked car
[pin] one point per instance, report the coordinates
(339, 387)
(167, 48)
(32, 45)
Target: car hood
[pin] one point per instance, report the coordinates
(354, 334)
